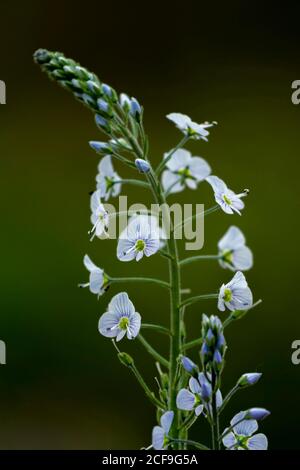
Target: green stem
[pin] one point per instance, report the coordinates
(153, 352)
(159, 328)
(196, 298)
(163, 163)
(191, 344)
(132, 181)
(152, 280)
(147, 390)
(215, 432)
(193, 259)
(190, 420)
(188, 442)
(228, 397)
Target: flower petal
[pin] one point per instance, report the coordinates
(242, 258)
(229, 440)
(105, 166)
(217, 184)
(185, 400)
(158, 436)
(121, 305)
(88, 263)
(180, 159)
(166, 420)
(246, 427)
(194, 386)
(96, 281)
(199, 168)
(107, 325)
(135, 325)
(232, 240)
(258, 442)
(171, 182)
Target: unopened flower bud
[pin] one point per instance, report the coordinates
(135, 109)
(189, 365)
(100, 147)
(125, 359)
(142, 165)
(249, 379)
(257, 413)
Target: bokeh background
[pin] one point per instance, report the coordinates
(63, 387)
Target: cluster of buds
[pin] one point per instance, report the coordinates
(111, 109)
(214, 345)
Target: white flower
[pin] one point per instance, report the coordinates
(227, 199)
(188, 127)
(139, 238)
(183, 169)
(106, 179)
(99, 216)
(234, 252)
(153, 221)
(97, 280)
(242, 436)
(120, 319)
(236, 295)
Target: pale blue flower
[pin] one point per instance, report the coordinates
(97, 280)
(227, 199)
(184, 170)
(160, 433)
(106, 179)
(234, 253)
(242, 436)
(99, 216)
(190, 128)
(120, 319)
(141, 237)
(235, 295)
(142, 165)
(197, 396)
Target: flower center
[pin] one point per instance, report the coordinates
(227, 256)
(226, 199)
(242, 441)
(140, 245)
(227, 295)
(184, 172)
(123, 323)
(109, 183)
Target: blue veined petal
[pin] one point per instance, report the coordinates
(229, 440)
(126, 250)
(95, 201)
(199, 168)
(246, 427)
(191, 184)
(242, 258)
(185, 400)
(166, 421)
(194, 386)
(258, 442)
(134, 325)
(241, 299)
(96, 281)
(238, 281)
(108, 325)
(121, 305)
(152, 246)
(158, 436)
(188, 364)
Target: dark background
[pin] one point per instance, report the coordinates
(63, 386)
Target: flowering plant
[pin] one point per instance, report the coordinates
(187, 391)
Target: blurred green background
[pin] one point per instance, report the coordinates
(63, 386)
